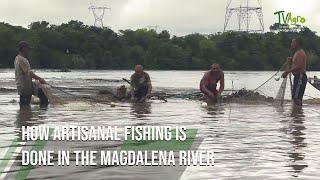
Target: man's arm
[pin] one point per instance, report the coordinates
(25, 68)
(149, 89)
(149, 86)
(203, 87)
(221, 89)
(36, 77)
(298, 64)
(133, 87)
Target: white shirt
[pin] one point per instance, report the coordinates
(22, 76)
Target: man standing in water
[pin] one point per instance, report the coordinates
(24, 76)
(141, 86)
(208, 84)
(299, 68)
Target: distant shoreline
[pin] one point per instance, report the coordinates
(74, 45)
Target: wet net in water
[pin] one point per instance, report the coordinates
(279, 100)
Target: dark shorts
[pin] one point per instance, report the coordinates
(213, 89)
(25, 100)
(299, 86)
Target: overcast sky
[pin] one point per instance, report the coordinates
(180, 17)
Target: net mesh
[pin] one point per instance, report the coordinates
(279, 100)
(53, 98)
(272, 89)
(280, 90)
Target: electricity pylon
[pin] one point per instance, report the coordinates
(98, 13)
(245, 11)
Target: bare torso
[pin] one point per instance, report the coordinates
(210, 81)
(300, 60)
(213, 77)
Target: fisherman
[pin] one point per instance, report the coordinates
(208, 84)
(24, 76)
(141, 86)
(298, 69)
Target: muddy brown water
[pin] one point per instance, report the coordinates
(250, 141)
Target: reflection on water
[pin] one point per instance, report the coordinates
(296, 129)
(24, 116)
(250, 141)
(30, 116)
(215, 109)
(141, 110)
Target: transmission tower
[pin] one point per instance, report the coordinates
(245, 11)
(98, 14)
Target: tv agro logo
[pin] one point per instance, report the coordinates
(289, 21)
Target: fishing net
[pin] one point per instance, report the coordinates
(272, 89)
(53, 98)
(247, 97)
(279, 100)
(280, 89)
(60, 96)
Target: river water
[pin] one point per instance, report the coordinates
(250, 141)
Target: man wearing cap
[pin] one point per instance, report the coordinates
(24, 76)
(141, 86)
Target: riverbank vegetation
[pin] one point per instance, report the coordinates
(77, 46)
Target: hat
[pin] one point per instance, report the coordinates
(23, 44)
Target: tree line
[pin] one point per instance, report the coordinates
(74, 45)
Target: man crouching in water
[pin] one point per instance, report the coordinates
(299, 68)
(141, 86)
(24, 76)
(208, 84)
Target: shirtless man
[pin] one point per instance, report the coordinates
(208, 84)
(299, 68)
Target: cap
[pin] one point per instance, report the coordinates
(23, 44)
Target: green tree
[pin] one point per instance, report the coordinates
(76, 45)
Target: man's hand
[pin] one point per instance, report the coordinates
(148, 96)
(142, 100)
(285, 74)
(42, 81)
(34, 76)
(133, 99)
(211, 95)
